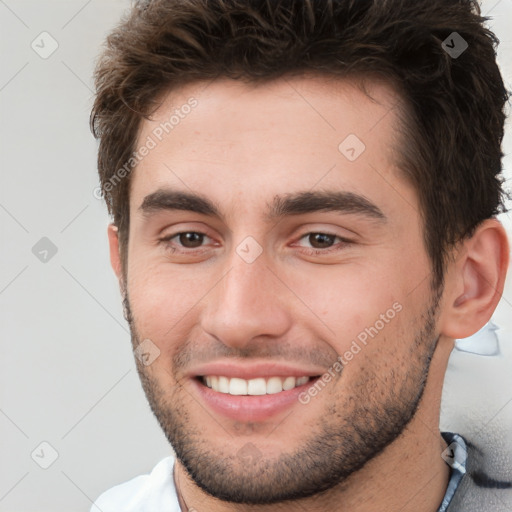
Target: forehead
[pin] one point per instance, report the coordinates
(233, 140)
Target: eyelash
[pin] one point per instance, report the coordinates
(345, 242)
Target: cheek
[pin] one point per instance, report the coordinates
(349, 300)
(162, 300)
(379, 355)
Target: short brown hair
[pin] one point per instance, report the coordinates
(455, 103)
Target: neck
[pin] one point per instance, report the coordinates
(408, 475)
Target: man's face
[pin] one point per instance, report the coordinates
(274, 286)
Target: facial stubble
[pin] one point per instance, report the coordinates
(349, 433)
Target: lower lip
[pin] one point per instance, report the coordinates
(250, 408)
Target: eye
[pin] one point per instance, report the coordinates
(186, 239)
(322, 243)
(320, 240)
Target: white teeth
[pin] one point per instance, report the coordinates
(301, 381)
(258, 386)
(223, 385)
(289, 383)
(237, 387)
(274, 385)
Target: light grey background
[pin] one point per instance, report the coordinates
(67, 375)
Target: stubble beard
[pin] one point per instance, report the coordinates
(347, 435)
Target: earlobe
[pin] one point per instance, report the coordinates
(475, 282)
(113, 241)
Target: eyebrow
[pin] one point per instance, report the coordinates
(281, 206)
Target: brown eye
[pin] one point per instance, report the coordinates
(191, 239)
(318, 243)
(321, 240)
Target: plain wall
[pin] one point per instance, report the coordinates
(67, 374)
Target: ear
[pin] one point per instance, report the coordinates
(475, 280)
(115, 257)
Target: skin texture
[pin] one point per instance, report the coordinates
(377, 422)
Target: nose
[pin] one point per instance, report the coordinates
(249, 302)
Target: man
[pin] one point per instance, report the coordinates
(304, 198)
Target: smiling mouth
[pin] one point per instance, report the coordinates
(253, 387)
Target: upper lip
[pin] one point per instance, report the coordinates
(254, 370)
